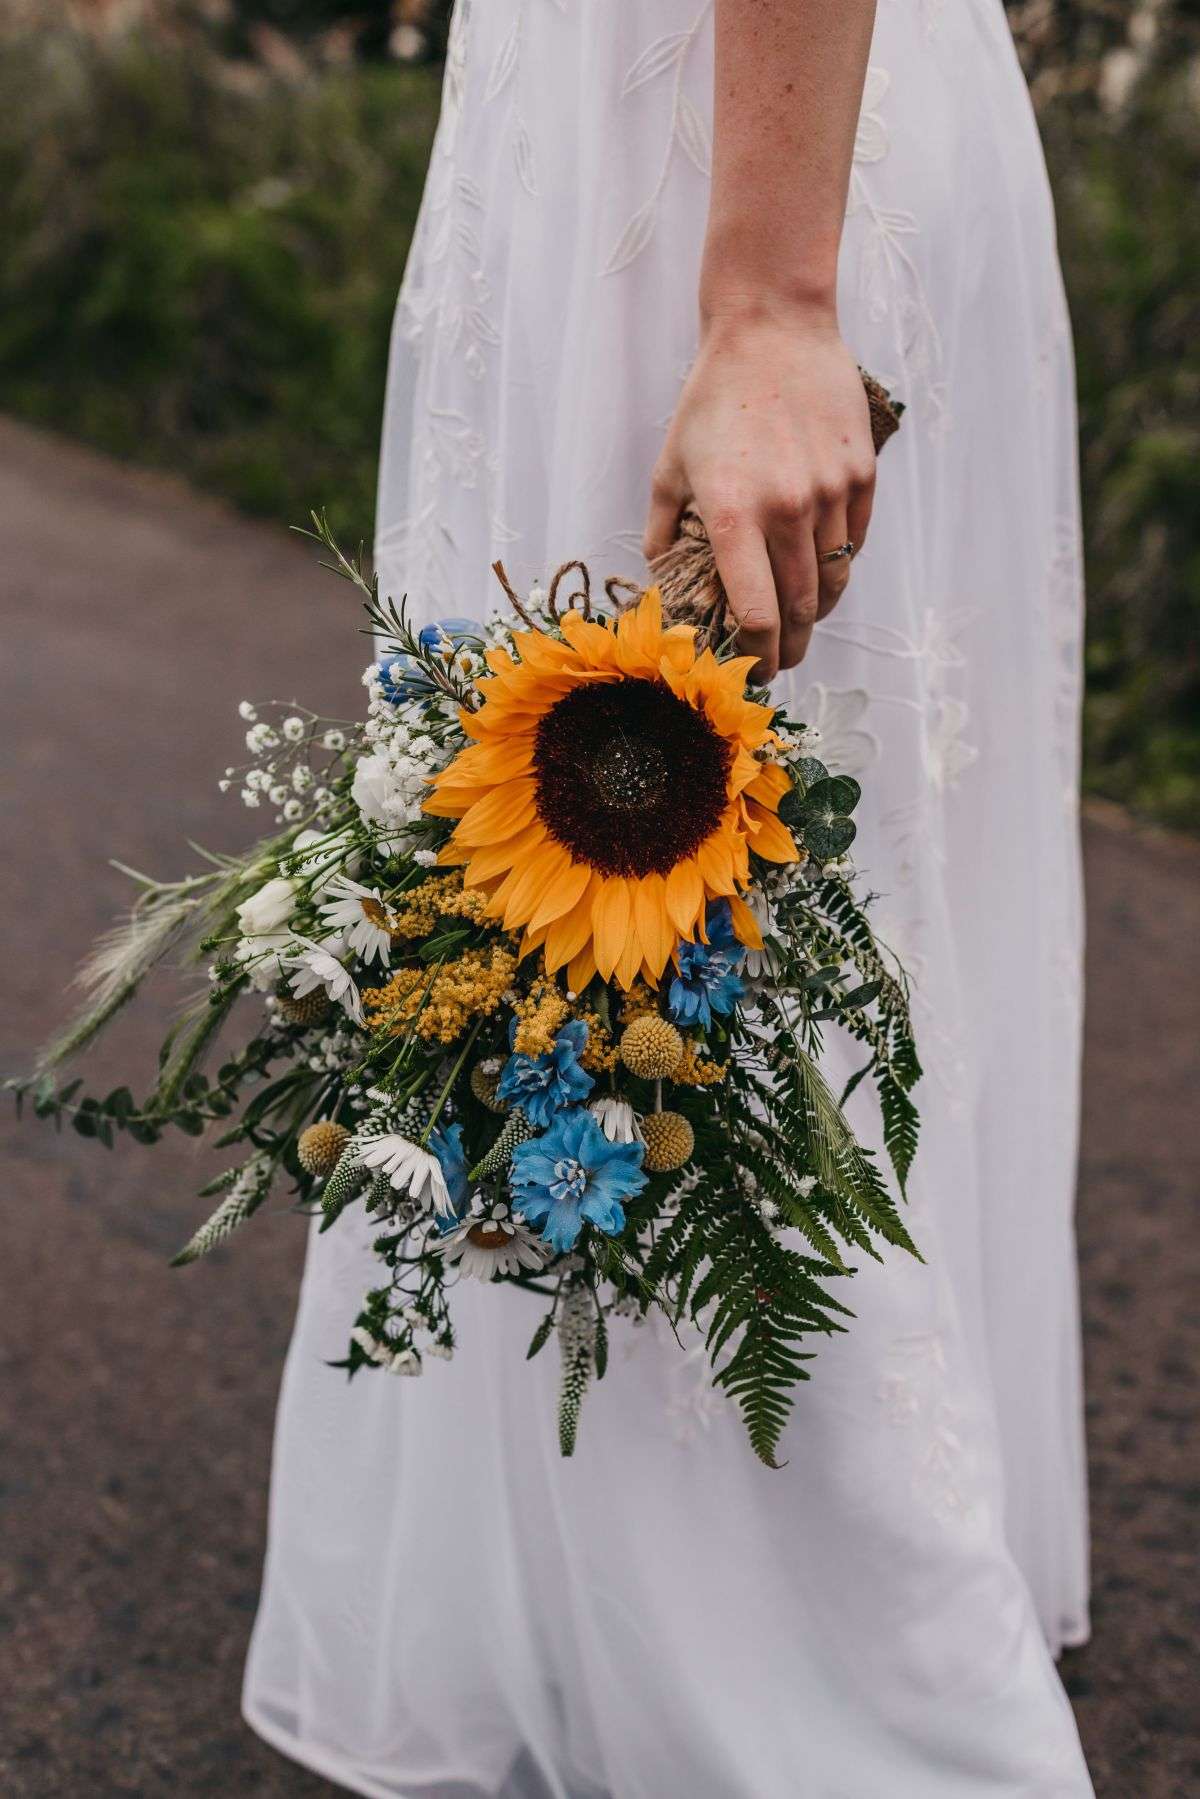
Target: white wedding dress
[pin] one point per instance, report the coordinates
(450, 1610)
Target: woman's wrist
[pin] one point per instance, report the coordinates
(733, 309)
(733, 290)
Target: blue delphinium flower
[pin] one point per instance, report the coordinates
(542, 1085)
(708, 979)
(447, 1145)
(571, 1173)
(400, 677)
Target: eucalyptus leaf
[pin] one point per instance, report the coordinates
(835, 795)
(828, 838)
(844, 793)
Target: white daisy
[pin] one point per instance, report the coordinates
(616, 1118)
(316, 967)
(761, 966)
(483, 1247)
(361, 916)
(410, 1169)
(264, 957)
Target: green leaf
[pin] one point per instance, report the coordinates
(861, 996)
(831, 794)
(541, 1336)
(828, 837)
(821, 977)
(841, 793)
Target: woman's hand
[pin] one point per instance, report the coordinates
(771, 442)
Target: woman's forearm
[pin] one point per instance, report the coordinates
(788, 87)
(771, 439)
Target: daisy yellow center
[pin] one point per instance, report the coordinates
(629, 778)
(487, 1235)
(375, 913)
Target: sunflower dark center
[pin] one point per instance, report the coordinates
(630, 779)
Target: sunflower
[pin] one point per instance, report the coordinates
(613, 788)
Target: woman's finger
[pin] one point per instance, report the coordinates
(832, 533)
(662, 521)
(858, 511)
(744, 566)
(794, 565)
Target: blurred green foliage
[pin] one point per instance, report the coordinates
(1128, 193)
(199, 258)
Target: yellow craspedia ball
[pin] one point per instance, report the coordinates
(669, 1140)
(321, 1145)
(484, 1081)
(310, 1010)
(652, 1048)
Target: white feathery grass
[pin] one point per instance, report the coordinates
(115, 969)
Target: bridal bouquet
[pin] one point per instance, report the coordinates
(534, 974)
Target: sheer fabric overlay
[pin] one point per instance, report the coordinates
(450, 1611)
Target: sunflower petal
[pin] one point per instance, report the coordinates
(684, 896)
(630, 960)
(653, 925)
(772, 839)
(565, 886)
(745, 925)
(581, 969)
(495, 859)
(499, 814)
(611, 914)
(714, 859)
(568, 934)
(769, 784)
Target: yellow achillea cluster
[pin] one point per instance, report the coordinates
(639, 1001)
(471, 986)
(599, 1052)
(442, 896)
(540, 1015)
(696, 1070)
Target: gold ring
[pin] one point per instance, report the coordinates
(843, 553)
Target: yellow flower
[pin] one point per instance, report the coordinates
(612, 789)
(696, 1070)
(441, 896)
(539, 1014)
(599, 1052)
(441, 1008)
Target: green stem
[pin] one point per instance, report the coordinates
(453, 1076)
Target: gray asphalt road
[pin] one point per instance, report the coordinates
(136, 1402)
